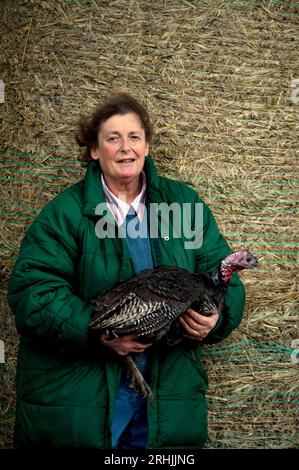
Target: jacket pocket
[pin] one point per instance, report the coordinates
(56, 379)
(183, 423)
(40, 426)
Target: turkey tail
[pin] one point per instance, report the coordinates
(136, 379)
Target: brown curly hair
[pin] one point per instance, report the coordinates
(89, 126)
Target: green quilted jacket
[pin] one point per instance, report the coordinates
(65, 389)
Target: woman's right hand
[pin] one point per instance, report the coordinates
(124, 345)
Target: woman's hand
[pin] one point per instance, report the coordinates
(124, 345)
(197, 326)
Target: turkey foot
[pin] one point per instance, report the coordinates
(136, 379)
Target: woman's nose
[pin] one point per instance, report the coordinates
(125, 145)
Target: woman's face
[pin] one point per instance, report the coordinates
(121, 148)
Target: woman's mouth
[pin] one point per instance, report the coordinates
(126, 160)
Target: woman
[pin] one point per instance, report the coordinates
(70, 388)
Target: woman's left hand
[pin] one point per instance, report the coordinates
(197, 326)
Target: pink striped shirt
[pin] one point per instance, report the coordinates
(119, 208)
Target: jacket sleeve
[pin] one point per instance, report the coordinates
(40, 289)
(214, 248)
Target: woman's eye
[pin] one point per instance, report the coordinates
(112, 139)
(135, 137)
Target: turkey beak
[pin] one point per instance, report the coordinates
(252, 261)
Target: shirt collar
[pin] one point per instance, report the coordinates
(120, 208)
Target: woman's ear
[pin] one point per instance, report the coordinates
(94, 152)
(147, 146)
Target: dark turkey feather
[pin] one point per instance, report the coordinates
(149, 304)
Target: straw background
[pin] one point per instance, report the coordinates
(217, 78)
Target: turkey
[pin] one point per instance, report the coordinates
(149, 304)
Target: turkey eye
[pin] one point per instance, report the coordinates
(248, 260)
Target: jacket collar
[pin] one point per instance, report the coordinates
(94, 194)
(151, 173)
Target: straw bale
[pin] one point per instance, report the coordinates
(219, 79)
